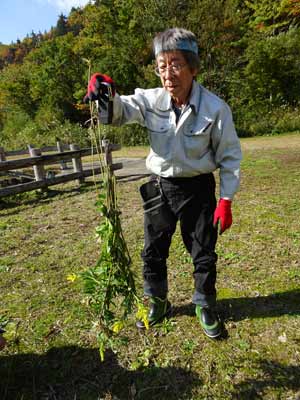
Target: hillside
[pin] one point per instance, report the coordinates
(249, 55)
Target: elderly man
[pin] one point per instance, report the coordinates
(191, 135)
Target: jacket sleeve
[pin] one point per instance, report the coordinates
(129, 109)
(228, 154)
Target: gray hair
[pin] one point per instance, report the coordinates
(178, 39)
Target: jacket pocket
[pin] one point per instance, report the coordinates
(157, 123)
(203, 128)
(197, 139)
(160, 134)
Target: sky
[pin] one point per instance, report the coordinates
(20, 17)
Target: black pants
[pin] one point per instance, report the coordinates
(192, 202)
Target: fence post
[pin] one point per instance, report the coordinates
(107, 152)
(63, 163)
(77, 163)
(2, 154)
(39, 170)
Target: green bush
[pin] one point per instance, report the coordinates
(40, 134)
(12, 125)
(288, 121)
(263, 120)
(19, 130)
(126, 135)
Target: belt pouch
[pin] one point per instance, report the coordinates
(156, 211)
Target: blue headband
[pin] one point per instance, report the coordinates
(182, 44)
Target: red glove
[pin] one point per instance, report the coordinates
(102, 88)
(98, 89)
(223, 213)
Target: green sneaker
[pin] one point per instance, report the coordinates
(159, 309)
(209, 321)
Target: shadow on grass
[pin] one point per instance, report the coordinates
(237, 309)
(272, 375)
(35, 198)
(274, 305)
(131, 177)
(69, 373)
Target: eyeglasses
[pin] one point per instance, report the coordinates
(173, 68)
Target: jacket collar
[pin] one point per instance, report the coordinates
(164, 101)
(195, 97)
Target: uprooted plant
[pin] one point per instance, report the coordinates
(109, 284)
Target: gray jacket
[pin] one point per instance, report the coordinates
(203, 140)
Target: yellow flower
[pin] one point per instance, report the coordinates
(117, 326)
(10, 331)
(142, 314)
(72, 277)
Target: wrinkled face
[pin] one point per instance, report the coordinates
(176, 75)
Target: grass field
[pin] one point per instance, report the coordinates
(51, 352)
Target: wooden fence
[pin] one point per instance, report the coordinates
(41, 178)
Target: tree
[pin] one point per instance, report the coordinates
(57, 72)
(220, 28)
(273, 16)
(61, 26)
(273, 71)
(15, 89)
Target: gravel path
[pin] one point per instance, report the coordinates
(133, 168)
